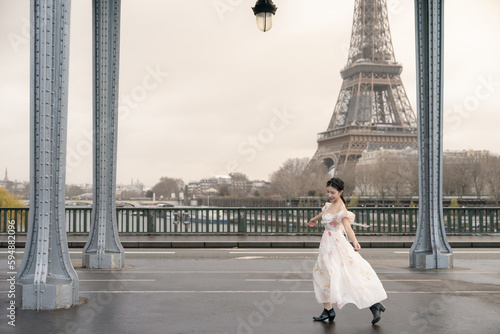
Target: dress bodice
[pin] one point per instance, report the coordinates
(333, 221)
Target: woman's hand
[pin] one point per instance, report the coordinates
(356, 245)
(312, 222)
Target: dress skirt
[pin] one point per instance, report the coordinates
(341, 275)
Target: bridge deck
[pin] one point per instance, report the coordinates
(265, 291)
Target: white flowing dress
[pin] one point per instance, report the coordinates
(341, 275)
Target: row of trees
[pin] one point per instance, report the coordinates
(166, 187)
(394, 176)
(9, 200)
(295, 178)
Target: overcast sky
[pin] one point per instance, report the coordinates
(204, 92)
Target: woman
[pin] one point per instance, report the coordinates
(341, 275)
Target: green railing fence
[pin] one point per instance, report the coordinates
(197, 220)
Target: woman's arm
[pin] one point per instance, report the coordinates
(314, 220)
(350, 233)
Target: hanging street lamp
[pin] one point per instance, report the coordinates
(264, 11)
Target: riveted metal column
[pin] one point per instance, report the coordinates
(430, 249)
(103, 249)
(46, 279)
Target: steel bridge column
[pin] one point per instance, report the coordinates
(46, 279)
(430, 249)
(103, 249)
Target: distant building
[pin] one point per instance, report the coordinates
(373, 157)
(194, 187)
(87, 196)
(15, 187)
(240, 183)
(259, 185)
(459, 156)
(5, 183)
(206, 184)
(211, 191)
(223, 180)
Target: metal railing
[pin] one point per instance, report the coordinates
(196, 220)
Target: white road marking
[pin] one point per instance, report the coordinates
(198, 272)
(266, 252)
(447, 292)
(148, 252)
(117, 280)
(310, 280)
(193, 292)
(126, 252)
(283, 272)
(458, 252)
(438, 272)
(272, 291)
(411, 280)
(278, 291)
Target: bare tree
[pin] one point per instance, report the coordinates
(364, 179)
(288, 180)
(462, 176)
(348, 174)
(73, 190)
(240, 185)
(449, 185)
(382, 178)
(168, 186)
(224, 190)
(411, 174)
(128, 194)
(492, 176)
(315, 178)
(398, 180)
(476, 170)
(456, 177)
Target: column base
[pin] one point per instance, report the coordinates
(56, 294)
(428, 260)
(103, 260)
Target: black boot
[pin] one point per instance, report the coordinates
(327, 314)
(376, 309)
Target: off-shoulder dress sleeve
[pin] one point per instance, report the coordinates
(348, 214)
(325, 207)
(351, 216)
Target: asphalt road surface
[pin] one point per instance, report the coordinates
(264, 291)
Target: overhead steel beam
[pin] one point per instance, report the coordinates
(46, 279)
(430, 249)
(103, 249)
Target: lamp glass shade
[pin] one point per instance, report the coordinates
(264, 21)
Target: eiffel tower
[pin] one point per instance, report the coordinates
(372, 110)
